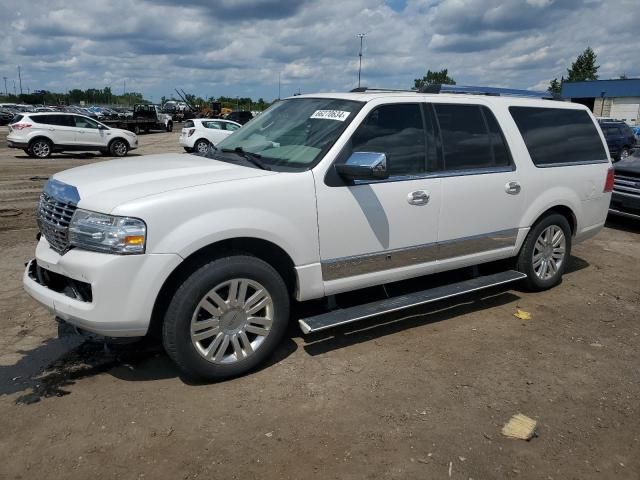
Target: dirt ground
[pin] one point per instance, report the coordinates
(422, 394)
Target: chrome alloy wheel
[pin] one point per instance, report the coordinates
(549, 252)
(232, 321)
(120, 149)
(41, 149)
(202, 147)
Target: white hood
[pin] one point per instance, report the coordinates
(105, 185)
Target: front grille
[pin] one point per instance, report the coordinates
(626, 184)
(53, 220)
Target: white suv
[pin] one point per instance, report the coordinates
(200, 133)
(41, 134)
(321, 194)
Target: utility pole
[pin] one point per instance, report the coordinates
(361, 36)
(15, 94)
(278, 85)
(5, 86)
(20, 79)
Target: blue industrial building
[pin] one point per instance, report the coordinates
(618, 99)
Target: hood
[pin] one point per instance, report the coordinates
(105, 185)
(629, 165)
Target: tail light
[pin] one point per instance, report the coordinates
(608, 185)
(191, 132)
(20, 126)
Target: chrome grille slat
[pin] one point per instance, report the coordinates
(53, 218)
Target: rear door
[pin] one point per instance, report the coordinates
(58, 128)
(482, 202)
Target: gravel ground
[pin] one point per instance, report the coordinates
(421, 394)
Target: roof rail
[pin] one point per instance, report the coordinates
(491, 91)
(462, 89)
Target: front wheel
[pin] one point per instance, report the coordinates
(226, 318)
(545, 253)
(118, 148)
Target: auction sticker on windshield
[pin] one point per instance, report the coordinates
(339, 115)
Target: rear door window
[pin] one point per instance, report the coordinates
(471, 137)
(559, 136)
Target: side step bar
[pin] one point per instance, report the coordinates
(343, 316)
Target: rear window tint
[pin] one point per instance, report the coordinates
(558, 136)
(17, 118)
(471, 137)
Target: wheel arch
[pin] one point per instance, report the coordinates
(566, 212)
(118, 138)
(257, 247)
(40, 137)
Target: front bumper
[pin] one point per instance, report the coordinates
(625, 204)
(123, 288)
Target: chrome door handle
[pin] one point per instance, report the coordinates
(419, 197)
(512, 188)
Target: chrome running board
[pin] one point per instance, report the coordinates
(343, 316)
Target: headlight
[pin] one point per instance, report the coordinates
(107, 233)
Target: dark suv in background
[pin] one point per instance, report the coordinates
(625, 200)
(620, 139)
(240, 117)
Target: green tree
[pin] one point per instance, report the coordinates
(434, 78)
(584, 68)
(555, 87)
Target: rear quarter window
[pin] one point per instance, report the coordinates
(189, 124)
(558, 136)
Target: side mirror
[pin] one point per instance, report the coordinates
(364, 166)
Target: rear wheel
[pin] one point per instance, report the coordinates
(136, 129)
(188, 149)
(118, 148)
(41, 148)
(226, 318)
(545, 253)
(202, 146)
(170, 127)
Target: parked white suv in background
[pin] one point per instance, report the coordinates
(321, 194)
(200, 133)
(41, 134)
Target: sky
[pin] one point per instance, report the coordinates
(241, 47)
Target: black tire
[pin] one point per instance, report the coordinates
(201, 146)
(41, 148)
(118, 147)
(188, 149)
(28, 152)
(104, 151)
(176, 332)
(146, 130)
(170, 127)
(525, 263)
(136, 129)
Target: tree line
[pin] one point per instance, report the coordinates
(90, 96)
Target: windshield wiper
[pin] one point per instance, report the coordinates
(253, 158)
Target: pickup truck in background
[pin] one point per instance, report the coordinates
(145, 118)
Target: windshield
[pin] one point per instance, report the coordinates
(294, 133)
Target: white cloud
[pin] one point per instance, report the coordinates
(238, 48)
